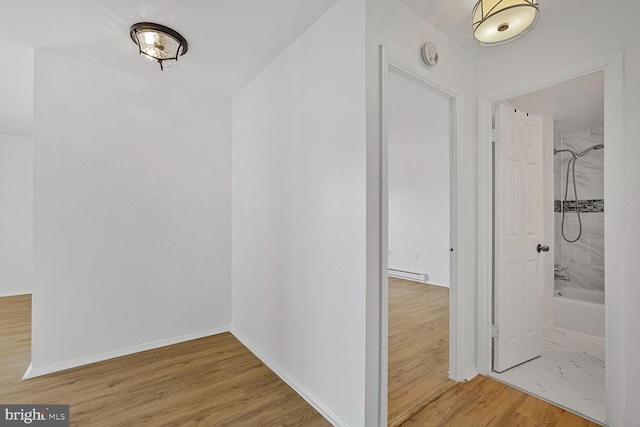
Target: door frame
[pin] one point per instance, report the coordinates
(457, 335)
(613, 67)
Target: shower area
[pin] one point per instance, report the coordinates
(579, 287)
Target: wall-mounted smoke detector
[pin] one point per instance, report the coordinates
(429, 54)
(158, 43)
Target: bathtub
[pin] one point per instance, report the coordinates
(580, 310)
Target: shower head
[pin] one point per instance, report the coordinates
(576, 155)
(595, 147)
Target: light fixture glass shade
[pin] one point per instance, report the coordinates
(158, 43)
(500, 21)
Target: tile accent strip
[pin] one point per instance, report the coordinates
(586, 206)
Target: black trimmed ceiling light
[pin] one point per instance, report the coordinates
(158, 43)
(500, 21)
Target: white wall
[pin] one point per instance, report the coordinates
(402, 33)
(16, 87)
(131, 213)
(418, 180)
(298, 251)
(583, 36)
(16, 214)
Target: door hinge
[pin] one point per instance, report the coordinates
(495, 332)
(495, 135)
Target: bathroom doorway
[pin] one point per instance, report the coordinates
(560, 356)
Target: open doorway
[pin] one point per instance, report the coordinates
(549, 337)
(16, 252)
(419, 250)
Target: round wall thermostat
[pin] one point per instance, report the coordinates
(430, 54)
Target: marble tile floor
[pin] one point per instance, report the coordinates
(570, 373)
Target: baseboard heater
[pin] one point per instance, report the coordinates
(409, 275)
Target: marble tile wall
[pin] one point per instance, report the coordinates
(584, 259)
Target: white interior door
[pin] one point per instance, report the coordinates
(519, 266)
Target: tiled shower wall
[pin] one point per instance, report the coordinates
(585, 258)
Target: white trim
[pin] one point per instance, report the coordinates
(612, 65)
(43, 370)
(317, 403)
(415, 277)
(27, 373)
(470, 373)
(485, 236)
(14, 293)
(408, 275)
(614, 243)
(383, 285)
(527, 86)
(457, 371)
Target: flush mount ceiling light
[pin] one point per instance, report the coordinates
(500, 21)
(158, 43)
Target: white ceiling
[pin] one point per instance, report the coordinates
(230, 41)
(453, 17)
(576, 104)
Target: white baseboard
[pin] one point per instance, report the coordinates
(14, 293)
(414, 277)
(317, 403)
(27, 374)
(43, 370)
(470, 373)
(438, 284)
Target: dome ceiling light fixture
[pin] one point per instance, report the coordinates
(500, 21)
(158, 43)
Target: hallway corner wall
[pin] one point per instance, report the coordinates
(298, 214)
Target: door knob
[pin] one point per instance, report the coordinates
(541, 248)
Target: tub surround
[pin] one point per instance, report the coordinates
(584, 259)
(586, 206)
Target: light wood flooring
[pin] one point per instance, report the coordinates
(420, 393)
(215, 381)
(418, 347)
(486, 402)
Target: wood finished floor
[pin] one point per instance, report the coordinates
(213, 381)
(418, 347)
(485, 402)
(216, 381)
(420, 393)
